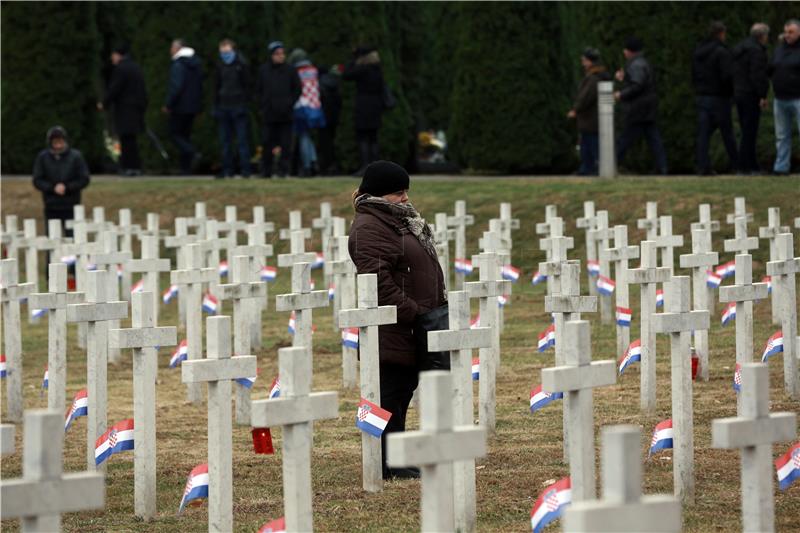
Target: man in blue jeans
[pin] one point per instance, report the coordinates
(785, 73)
(230, 108)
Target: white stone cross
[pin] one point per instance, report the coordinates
(199, 220)
(232, 226)
(550, 212)
(576, 379)
(295, 224)
(324, 223)
(191, 280)
(650, 222)
(555, 227)
(82, 247)
(257, 252)
(210, 248)
(11, 233)
(744, 292)
(460, 220)
(297, 251)
(741, 243)
(151, 265)
(217, 370)
(460, 340)
(260, 220)
(29, 242)
(783, 270)
(771, 232)
(443, 236)
(679, 322)
(753, 432)
(7, 432)
(96, 312)
(739, 210)
(487, 289)
(126, 230)
(108, 260)
(44, 491)
(180, 241)
(243, 290)
(601, 236)
(368, 317)
(507, 223)
(56, 302)
(295, 410)
(619, 256)
(436, 448)
(302, 300)
(705, 222)
(145, 339)
(700, 261)
(623, 509)
(11, 292)
(666, 242)
(648, 275)
(588, 222)
(343, 271)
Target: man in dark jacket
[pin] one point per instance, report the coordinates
(750, 88)
(230, 107)
(365, 70)
(60, 173)
(277, 88)
(585, 110)
(127, 94)
(712, 77)
(639, 104)
(184, 100)
(785, 73)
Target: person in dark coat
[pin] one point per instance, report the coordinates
(330, 80)
(60, 173)
(785, 73)
(184, 101)
(277, 88)
(127, 94)
(750, 88)
(639, 104)
(584, 111)
(389, 238)
(365, 70)
(712, 77)
(231, 94)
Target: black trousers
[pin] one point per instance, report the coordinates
(632, 132)
(368, 149)
(327, 149)
(63, 214)
(277, 135)
(180, 129)
(714, 113)
(398, 383)
(129, 157)
(749, 117)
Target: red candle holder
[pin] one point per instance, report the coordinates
(695, 364)
(262, 441)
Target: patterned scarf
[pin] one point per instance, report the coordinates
(408, 217)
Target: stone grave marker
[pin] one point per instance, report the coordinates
(11, 292)
(783, 270)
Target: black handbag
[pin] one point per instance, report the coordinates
(434, 320)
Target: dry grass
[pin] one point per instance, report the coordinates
(527, 450)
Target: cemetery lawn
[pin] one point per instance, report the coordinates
(524, 457)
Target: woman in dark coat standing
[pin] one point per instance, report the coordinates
(127, 94)
(389, 238)
(366, 71)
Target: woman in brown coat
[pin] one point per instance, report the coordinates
(585, 110)
(389, 238)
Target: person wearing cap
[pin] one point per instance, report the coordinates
(389, 238)
(639, 104)
(277, 89)
(584, 111)
(60, 173)
(127, 95)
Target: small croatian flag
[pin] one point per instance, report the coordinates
(631, 355)
(538, 278)
(511, 273)
(331, 292)
(138, 287)
(292, 322)
(502, 300)
(69, 259)
(371, 418)
(209, 304)
(247, 383)
(80, 407)
(275, 388)
(38, 313)
(46, 379)
(539, 398)
(475, 322)
(605, 285)
(118, 438)
(593, 267)
(476, 368)
(276, 526)
(196, 486)
(169, 294)
(713, 281)
(547, 338)
(119, 271)
(319, 261)
(223, 269)
(624, 315)
(729, 313)
(269, 273)
(350, 338)
(726, 270)
(550, 504)
(788, 466)
(737, 378)
(659, 298)
(768, 281)
(180, 354)
(2, 366)
(463, 266)
(774, 346)
(662, 437)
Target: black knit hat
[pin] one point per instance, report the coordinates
(384, 177)
(634, 44)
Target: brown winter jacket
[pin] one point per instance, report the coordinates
(408, 277)
(586, 100)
